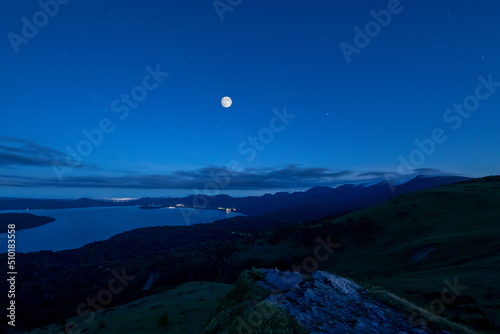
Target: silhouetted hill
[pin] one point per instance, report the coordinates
(36, 204)
(317, 201)
(321, 202)
(22, 221)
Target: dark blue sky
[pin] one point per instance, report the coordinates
(348, 115)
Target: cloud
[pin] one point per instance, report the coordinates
(246, 179)
(387, 175)
(21, 152)
(428, 171)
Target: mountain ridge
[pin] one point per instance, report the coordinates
(249, 205)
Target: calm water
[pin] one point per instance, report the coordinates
(74, 228)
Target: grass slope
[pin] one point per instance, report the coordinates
(418, 245)
(184, 309)
(413, 243)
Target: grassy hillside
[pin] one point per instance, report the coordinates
(414, 246)
(413, 243)
(418, 245)
(184, 309)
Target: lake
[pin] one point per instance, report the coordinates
(74, 228)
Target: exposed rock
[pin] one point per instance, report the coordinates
(326, 303)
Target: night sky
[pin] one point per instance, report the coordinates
(324, 92)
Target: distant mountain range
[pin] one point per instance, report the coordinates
(314, 203)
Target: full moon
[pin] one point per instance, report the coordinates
(226, 102)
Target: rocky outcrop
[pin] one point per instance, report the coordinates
(326, 303)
